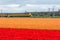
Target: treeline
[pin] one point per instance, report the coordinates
(46, 14)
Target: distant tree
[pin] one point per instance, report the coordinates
(59, 11)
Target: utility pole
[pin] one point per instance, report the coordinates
(53, 11)
(49, 9)
(49, 12)
(1, 10)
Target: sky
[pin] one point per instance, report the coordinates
(17, 6)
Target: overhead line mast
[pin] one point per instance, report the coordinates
(1, 10)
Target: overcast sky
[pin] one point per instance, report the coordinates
(29, 5)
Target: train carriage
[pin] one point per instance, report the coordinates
(15, 14)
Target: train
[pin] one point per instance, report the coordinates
(15, 14)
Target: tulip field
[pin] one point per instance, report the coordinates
(29, 28)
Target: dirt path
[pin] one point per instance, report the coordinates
(30, 23)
